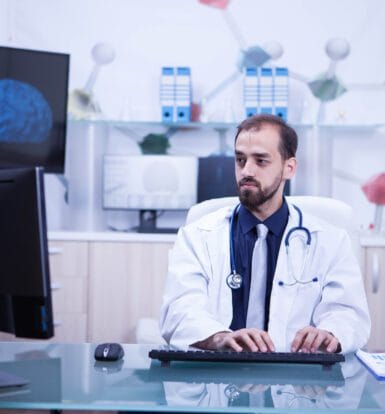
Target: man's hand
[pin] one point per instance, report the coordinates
(311, 339)
(248, 339)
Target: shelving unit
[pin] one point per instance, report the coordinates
(88, 142)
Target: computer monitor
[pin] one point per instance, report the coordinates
(216, 178)
(33, 108)
(150, 184)
(25, 292)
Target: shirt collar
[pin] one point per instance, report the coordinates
(276, 223)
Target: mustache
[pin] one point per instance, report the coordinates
(249, 180)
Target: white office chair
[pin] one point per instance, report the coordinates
(333, 211)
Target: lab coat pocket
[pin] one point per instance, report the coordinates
(307, 297)
(309, 292)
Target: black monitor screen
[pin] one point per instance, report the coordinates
(33, 108)
(25, 291)
(216, 177)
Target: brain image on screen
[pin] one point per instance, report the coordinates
(25, 115)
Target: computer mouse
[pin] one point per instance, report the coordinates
(109, 352)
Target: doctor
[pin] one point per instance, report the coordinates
(264, 276)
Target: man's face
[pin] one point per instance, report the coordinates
(260, 170)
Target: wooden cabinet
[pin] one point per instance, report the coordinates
(100, 289)
(374, 271)
(126, 284)
(69, 284)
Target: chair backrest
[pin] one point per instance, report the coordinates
(333, 211)
(205, 207)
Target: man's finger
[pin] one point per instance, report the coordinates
(319, 341)
(333, 346)
(250, 344)
(229, 342)
(298, 339)
(259, 340)
(268, 341)
(308, 340)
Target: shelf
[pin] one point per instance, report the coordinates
(213, 125)
(158, 124)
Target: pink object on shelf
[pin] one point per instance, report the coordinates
(374, 189)
(195, 112)
(219, 4)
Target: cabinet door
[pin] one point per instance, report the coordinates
(375, 290)
(126, 283)
(69, 283)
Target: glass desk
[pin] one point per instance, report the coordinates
(66, 376)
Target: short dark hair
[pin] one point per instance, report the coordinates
(289, 139)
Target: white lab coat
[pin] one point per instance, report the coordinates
(198, 303)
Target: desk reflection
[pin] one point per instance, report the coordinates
(261, 385)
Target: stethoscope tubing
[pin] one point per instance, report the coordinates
(300, 227)
(234, 279)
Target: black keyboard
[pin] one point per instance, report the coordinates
(164, 355)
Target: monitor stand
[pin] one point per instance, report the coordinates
(147, 223)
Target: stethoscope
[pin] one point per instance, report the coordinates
(234, 279)
(232, 393)
(295, 397)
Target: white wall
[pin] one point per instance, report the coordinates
(148, 34)
(3, 20)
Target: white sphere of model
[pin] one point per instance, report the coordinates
(274, 49)
(103, 53)
(337, 48)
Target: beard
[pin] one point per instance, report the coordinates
(253, 198)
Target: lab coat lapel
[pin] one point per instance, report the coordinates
(283, 297)
(218, 248)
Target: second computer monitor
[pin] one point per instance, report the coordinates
(150, 184)
(216, 178)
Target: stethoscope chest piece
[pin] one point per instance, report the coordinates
(234, 280)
